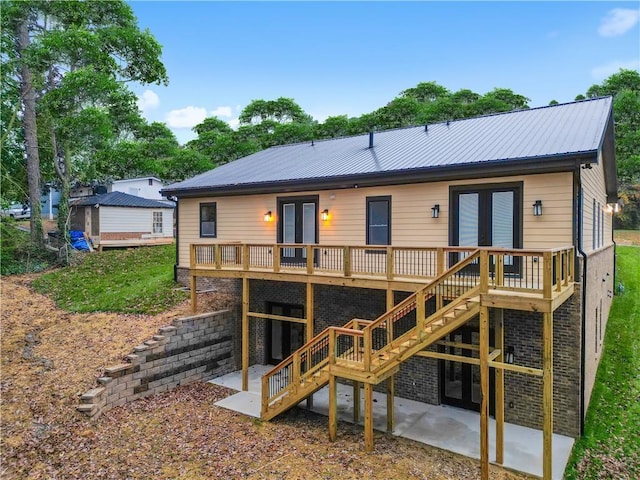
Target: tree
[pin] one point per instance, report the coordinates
(426, 92)
(72, 60)
(281, 110)
(624, 86)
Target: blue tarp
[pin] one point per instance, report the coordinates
(77, 240)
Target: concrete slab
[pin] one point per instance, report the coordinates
(420, 422)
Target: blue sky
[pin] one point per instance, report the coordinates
(351, 58)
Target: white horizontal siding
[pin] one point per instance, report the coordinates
(120, 219)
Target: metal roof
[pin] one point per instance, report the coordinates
(118, 199)
(544, 133)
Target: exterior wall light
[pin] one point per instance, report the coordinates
(508, 355)
(537, 208)
(435, 211)
(324, 215)
(268, 216)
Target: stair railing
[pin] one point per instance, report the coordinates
(421, 307)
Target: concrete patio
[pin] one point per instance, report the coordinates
(420, 422)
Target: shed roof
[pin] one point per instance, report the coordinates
(118, 199)
(537, 138)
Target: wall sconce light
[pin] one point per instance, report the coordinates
(508, 355)
(613, 207)
(435, 211)
(537, 208)
(325, 215)
(268, 216)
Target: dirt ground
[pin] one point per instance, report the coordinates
(50, 357)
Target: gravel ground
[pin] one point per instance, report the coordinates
(50, 357)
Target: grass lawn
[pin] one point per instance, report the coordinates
(135, 280)
(627, 237)
(610, 447)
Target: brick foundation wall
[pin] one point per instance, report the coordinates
(599, 293)
(192, 348)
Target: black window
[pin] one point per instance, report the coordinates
(208, 216)
(379, 220)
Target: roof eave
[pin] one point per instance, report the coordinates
(500, 168)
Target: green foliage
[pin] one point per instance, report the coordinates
(137, 280)
(18, 255)
(624, 86)
(611, 428)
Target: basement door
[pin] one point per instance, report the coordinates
(460, 382)
(283, 337)
(298, 223)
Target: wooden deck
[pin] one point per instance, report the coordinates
(134, 242)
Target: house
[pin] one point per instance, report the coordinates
(468, 263)
(118, 219)
(145, 187)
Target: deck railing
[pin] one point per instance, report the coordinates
(541, 271)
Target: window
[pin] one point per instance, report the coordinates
(157, 222)
(208, 217)
(594, 226)
(601, 211)
(379, 220)
(151, 182)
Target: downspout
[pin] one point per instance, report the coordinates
(578, 225)
(175, 265)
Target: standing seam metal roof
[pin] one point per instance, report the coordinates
(566, 129)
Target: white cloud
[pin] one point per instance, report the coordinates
(234, 123)
(148, 101)
(187, 117)
(222, 111)
(618, 21)
(603, 71)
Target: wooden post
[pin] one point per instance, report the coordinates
(309, 259)
(356, 402)
(484, 271)
(245, 257)
(390, 380)
(276, 258)
(499, 281)
(245, 334)
(547, 272)
(390, 406)
(420, 315)
(565, 267)
(368, 417)
(484, 385)
(217, 253)
(390, 263)
(499, 393)
(333, 408)
(193, 283)
(547, 394)
(346, 260)
(440, 264)
(309, 332)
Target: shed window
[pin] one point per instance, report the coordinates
(379, 220)
(157, 222)
(208, 217)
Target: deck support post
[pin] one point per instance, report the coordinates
(390, 380)
(333, 408)
(356, 402)
(547, 395)
(499, 392)
(193, 284)
(245, 334)
(390, 407)
(309, 331)
(368, 417)
(484, 385)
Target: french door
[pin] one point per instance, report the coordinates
(298, 223)
(460, 382)
(488, 216)
(283, 338)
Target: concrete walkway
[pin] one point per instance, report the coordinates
(450, 428)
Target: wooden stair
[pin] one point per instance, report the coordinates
(295, 378)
